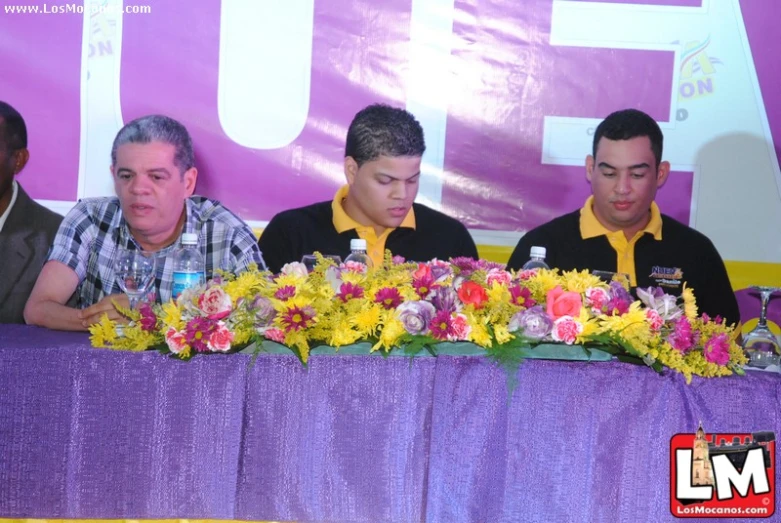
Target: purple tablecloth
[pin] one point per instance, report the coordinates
(88, 433)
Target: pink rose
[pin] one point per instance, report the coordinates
(275, 335)
(562, 303)
(461, 328)
(220, 339)
(527, 274)
(654, 319)
(597, 298)
(175, 340)
(215, 303)
(566, 329)
(422, 272)
(499, 276)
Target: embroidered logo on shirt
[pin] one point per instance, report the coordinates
(667, 276)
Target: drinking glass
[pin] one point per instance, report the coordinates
(761, 345)
(135, 271)
(310, 260)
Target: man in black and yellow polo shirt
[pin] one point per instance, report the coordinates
(621, 229)
(382, 165)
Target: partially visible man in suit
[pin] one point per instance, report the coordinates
(26, 228)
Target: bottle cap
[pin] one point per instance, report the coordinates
(538, 252)
(189, 238)
(358, 245)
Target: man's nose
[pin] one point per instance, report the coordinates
(399, 190)
(139, 185)
(623, 185)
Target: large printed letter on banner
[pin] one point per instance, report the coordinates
(188, 61)
(495, 126)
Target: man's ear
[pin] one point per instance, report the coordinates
(589, 167)
(190, 177)
(661, 175)
(21, 157)
(350, 169)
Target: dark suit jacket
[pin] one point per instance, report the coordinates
(24, 242)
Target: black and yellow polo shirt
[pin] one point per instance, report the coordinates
(375, 245)
(665, 254)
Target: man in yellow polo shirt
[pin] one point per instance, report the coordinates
(620, 228)
(383, 152)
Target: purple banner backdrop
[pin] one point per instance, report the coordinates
(40, 75)
(508, 78)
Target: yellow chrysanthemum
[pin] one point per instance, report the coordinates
(497, 294)
(590, 325)
(542, 282)
(368, 320)
(579, 281)
(343, 334)
(103, 333)
(501, 334)
(172, 316)
(631, 326)
(245, 285)
(479, 334)
(392, 330)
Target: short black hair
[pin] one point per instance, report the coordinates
(382, 130)
(628, 124)
(13, 131)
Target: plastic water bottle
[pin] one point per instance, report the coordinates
(537, 260)
(358, 254)
(189, 268)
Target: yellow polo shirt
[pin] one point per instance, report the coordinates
(590, 227)
(375, 244)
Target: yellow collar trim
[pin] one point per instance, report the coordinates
(591, 227)
(343, 222)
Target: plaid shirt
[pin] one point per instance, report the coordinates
(89, 235)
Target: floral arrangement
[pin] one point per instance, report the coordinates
(416, 306)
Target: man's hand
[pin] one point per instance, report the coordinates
(94, 313)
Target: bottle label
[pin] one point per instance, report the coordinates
(185, 280)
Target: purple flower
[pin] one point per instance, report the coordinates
(264, 311)
(534, 322)
(465, 264)
(716, 349)
(350, 291)
(665, 304)
(423, 286)
(388, 297)
(620, 299)
(148, 319)
(198, 331)
(445, 299)
(442, 326)
(416, 316)
(682, 337)
(285, 293)
(398, 260)
(486, 265)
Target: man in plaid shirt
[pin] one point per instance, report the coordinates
(154, 178)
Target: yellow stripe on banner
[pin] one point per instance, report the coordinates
(495, 253)
(745, 274)
(131, 521)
